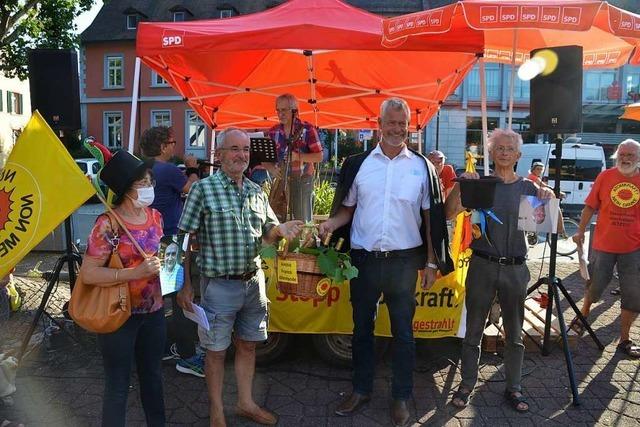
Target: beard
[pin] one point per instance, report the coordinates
(626, 169)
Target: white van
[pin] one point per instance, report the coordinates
(581, 163)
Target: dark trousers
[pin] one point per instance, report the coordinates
(141, 338)
(395, 278)
(181, 330)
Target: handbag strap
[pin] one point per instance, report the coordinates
(111, 214)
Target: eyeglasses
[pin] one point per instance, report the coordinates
(236, 150)
(146, 182)
(502, 149)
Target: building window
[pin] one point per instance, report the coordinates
(112, 129)
(114, 67)
(161, 118)
(178, 16)
(1, 101)
(157, 80)
(492, 81)
(631, 87)
(14, 102)
(474, 131)
(596, 85)
(196, 130)
(132, 22)
(226, 13)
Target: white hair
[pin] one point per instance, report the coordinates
(222, 136)
(508, 134)
(395, 104)
(290, 98)
(631, 142)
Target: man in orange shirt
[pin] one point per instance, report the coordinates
(445, 172)
(616, 240)
(535, 174)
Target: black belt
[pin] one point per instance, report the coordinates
(244, 276)
(502, 260)
(390, 254)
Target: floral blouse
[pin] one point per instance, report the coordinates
(146, 296)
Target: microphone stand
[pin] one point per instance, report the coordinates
(287, 164)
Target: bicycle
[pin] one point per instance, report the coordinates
(566, 246)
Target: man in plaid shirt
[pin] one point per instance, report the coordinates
(230, 217)
(306, 150)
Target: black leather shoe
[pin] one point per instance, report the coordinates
(399, 413)
(352, 404)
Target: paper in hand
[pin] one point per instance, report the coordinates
(584, 262)
(197, 315)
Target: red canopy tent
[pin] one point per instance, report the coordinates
(328, 54)
(609, 35)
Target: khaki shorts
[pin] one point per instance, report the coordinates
(601, 266)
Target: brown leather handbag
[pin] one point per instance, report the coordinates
(103, 308)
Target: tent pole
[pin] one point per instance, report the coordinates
(335, 149)
(512, 82)
(212, 150)
(483, 107)
(134, 105)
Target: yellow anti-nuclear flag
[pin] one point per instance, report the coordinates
(40, 186)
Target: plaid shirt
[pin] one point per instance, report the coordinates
(229, 224)
(309, 142)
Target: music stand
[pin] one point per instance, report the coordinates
(262, 150)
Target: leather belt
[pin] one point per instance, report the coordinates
(502, 260)
(244, 276)
(390, 254)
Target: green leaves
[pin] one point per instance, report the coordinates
(268, 252)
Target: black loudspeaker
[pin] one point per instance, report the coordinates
(54, 85)
(556, 99)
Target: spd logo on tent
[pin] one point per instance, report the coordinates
(20, 208)
(172, 38)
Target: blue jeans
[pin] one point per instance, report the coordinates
(396, 279)
(141, 338)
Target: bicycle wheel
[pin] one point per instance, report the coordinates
(566, 246)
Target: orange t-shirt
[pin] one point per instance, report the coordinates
(616, 198)
(533, 177)
(446, 177)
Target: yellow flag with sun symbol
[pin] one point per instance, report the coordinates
(40, 186)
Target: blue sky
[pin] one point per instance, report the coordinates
(84, 20)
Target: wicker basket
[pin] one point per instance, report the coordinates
(308, 276)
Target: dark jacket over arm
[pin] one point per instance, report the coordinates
(437, 218)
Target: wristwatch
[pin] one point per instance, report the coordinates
(432, 266)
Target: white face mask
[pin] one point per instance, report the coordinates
(145, 197)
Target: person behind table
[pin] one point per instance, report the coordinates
(307, 150)
(394, 227)
(141, 338)
(446, 172)
(159, 144)
(497, 267)
(230, 216)
(616, 242)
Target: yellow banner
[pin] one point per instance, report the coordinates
(40, 186)
(438, 310)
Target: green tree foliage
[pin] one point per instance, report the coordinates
(28, 24)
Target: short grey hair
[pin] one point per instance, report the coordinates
(395, 104)
(631, 142)
(509, 134)
(222, 136)
(290, 98)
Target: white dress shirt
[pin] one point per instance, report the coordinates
(389, 195)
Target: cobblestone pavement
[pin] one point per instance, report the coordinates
(60, 383)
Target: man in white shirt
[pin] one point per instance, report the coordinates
(388, 198)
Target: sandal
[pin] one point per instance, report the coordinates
(516, 401)
(576, 326)
(463, 396)
(629, 348)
